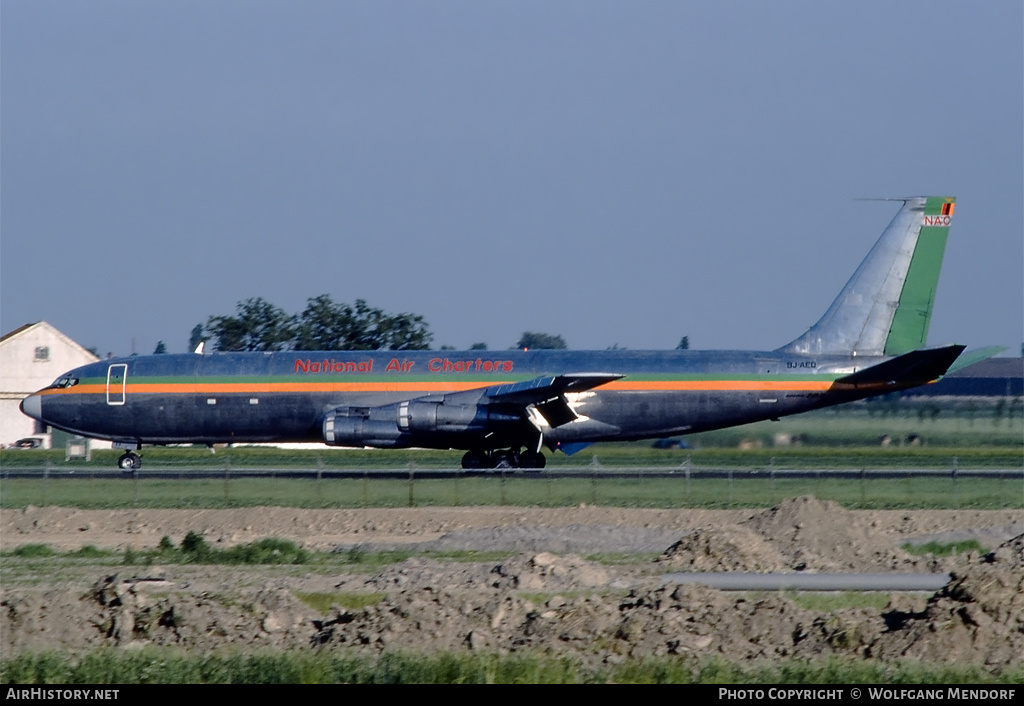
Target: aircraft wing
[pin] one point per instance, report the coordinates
(547, 394)
(908, 370)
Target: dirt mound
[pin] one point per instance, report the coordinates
(821, 535)
(1010, 553)
(567, 539)
(558, 603)
(978, 616)
(723, 549)
(543, 572)
(125, 611)
(799, 534)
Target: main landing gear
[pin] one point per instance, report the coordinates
(506, 458)
(129, 462)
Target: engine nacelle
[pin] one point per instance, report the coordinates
(421, 417)
(345, 430)
(404, 423)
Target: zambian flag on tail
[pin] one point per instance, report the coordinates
(909, 329)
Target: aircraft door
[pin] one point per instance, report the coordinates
(117, 378)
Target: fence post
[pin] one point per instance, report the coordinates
(686, 470)
(319, 481)
(227, 479)
(771, 472)
(956, 484)
(366, 488)
(412, 482)
(863, 490)
(46, 482)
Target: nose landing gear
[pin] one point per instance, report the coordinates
(129, 462)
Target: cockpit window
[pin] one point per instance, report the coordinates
(65, 381)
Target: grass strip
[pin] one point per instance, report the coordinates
(168, 666)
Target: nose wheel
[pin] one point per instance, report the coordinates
(129, 462)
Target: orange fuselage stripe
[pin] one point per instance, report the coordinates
(449, 386)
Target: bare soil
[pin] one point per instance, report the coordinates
(546, 596)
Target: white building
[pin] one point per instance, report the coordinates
(32, 357)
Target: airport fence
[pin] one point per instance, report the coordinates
(682, 485)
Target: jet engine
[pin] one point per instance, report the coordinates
(422, 417)
(341, 428)
(402, 424)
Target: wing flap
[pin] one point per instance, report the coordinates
(547, 394)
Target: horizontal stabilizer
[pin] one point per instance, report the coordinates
(973, 357)
(908, 370)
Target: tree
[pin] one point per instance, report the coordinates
(481, 346)
(257, 326)
(329, 326)
(324, 325)
(161, 348)
(684, 344)
(530, 339)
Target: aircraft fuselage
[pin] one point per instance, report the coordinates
(284, 396)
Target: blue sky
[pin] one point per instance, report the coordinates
(619, 173)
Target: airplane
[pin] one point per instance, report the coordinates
(505, 407)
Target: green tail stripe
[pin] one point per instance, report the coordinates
(909, 329)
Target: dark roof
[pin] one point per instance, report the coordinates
(16, 331)
(993, 368)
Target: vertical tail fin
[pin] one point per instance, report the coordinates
(886, 307)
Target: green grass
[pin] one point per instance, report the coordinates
(323, 602)
(746, 490)
(941, 549)
(29, 563)
(167, 666)
(617, 455)
(34, 551)
(829, 602)
(195, 550)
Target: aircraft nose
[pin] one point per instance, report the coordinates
(33, 406)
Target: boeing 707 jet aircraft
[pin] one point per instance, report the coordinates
(504, 407)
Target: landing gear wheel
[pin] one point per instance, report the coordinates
(475, 460)
(532, 460)
(129, 462)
